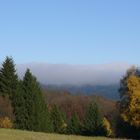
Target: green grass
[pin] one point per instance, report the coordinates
(10, 134)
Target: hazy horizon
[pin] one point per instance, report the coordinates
(67, 74)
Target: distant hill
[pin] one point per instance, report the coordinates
(78, 103)
(107, 91)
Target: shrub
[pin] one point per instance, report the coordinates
(107, 127)
(6, 123)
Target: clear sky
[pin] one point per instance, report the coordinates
(70, 31)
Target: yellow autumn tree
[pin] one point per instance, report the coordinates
(130, 101)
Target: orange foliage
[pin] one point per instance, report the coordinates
(6, 123)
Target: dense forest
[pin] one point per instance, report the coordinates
(25, 105)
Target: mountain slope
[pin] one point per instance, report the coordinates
(107, 91)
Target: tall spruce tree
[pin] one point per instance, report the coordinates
(74, 125)
(37, 115)
(93, 123)
(8, 78)
(19, 109)
(58, 120)
(9, 84)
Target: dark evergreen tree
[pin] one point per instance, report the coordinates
(9, 84)
(58, 120)
(8, 78)
(37, 115)
(93, 123)
(19, 109)
(74, 125)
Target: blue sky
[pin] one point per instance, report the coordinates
(70, 31)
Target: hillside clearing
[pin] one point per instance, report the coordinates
(9, 134)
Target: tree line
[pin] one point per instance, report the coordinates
(31, 112)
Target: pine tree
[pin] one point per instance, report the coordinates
(74, 125)
(37, 115)
(93, 123)
(9, 84)
(8, 78)
(19, 109)
(58, 120)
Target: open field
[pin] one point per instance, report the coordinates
(7, 134)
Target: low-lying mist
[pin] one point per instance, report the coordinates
(64, 74)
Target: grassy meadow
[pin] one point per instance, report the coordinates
(10, 134)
